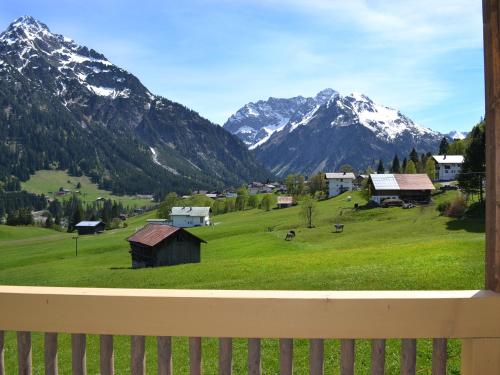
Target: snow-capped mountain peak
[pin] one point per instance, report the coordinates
(455, 134)
(30, 47)
(256, 122)
(328, 130)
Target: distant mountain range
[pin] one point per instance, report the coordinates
(66, 106)
(324, 132)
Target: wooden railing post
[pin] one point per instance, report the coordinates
(24, 353)
(347, 357)
(195, 367)
(408, 356)
(254, 361)
(378, 357)
(225, 356)
(138, 355)
(106, 355)
(482, 356)
(286, 356)
(316, 354)
(79, 354)
(164, 344)
(2, 351)
(51, 354)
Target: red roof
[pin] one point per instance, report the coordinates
(414, 182)
(153, 234)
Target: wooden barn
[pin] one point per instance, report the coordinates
(90, 227)
(158, 245)
(284, 202)
(408, 187)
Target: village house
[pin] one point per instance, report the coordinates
(185, 217)
(163, 245)
(407, 187)
(448, 166)
(339, 182)
(90, 227)
(284, 202)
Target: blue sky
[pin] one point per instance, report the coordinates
(423, 57)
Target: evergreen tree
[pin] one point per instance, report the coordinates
(396, 167)
(471, 178)
(380, 168)
(403, 166)
(414, 156)
(443, 146)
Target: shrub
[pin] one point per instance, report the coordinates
(457, 207)
(443, 207)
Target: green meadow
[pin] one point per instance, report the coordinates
(379, 249)
(48, 182)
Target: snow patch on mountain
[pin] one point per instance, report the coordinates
(154, 154)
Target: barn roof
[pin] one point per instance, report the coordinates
(445, 159)
(190, 211)
(348, 175)
(153, 234)
(384, 182)
(88, 224)
(414, 182)
(401, 182)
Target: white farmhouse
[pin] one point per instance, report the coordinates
(339, 182)
(448, 166)
(183, 217)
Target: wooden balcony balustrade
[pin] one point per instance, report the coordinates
(407, 315)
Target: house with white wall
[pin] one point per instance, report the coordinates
(184, 217)
(339, 182)
(448, 166)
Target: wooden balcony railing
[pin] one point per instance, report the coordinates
(472, 316)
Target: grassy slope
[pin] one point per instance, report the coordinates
(379, 249)
(50, 181)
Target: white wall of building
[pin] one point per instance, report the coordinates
(338, 185)
(447, 171)
(184, 221)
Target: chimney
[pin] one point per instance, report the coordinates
(444, 158)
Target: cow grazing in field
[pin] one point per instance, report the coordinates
(339, 227)
(290, 235)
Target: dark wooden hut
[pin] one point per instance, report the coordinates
(163, 245)
(90, 227)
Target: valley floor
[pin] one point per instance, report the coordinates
(379, 249)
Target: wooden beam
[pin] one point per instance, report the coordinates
(273, 314)
(491, 32)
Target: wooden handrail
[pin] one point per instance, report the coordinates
(250, 314)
